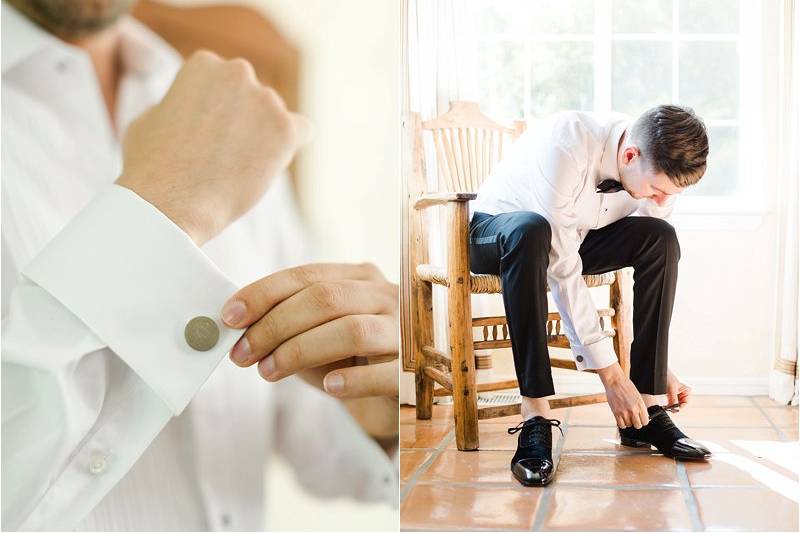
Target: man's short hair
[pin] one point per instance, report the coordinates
(673, 140)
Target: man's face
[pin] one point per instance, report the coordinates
(74, 18)
(641, 181)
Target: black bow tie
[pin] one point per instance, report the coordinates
(609, 186)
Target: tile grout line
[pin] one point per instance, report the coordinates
(781, 434)
(689, 497)
(412, 481)
(544, 502)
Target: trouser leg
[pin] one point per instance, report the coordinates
(651, 247)
(515, 246)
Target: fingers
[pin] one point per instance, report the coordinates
(316, 304)
(255, 300)
(362, 381)
(684, 395)
(644, 416)
(360, 335)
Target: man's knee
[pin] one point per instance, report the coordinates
(665, 236)
(530, 232)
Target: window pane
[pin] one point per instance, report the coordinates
(709, 78)
(561, 77)
(501, 16)
(722, 173)
(561, 16)
(535, 16)
(642, 16)
(642, 74)
(502, 77)
(708, 16)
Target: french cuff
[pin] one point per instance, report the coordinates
(135, 279)
(599, 354)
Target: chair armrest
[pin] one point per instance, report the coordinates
(442, 198)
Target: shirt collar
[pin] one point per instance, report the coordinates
(22, 38)
(608, 161)
(143, 52)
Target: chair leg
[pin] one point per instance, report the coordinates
(465, 399)
(620, 300)
(423, 336)
(459, 311)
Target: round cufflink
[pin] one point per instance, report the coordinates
(201, 333)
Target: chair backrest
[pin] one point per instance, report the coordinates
(467, 145)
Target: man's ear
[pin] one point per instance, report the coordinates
(629, 154)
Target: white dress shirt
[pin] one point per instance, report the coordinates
(109, 420)
(553, 169)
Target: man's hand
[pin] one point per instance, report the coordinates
(336, 324)
(623, 398)
(677, 392)
(208, 151)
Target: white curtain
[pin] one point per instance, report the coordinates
(441, 69)
(784, 383)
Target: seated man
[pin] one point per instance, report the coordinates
(559, 207)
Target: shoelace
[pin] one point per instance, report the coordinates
(540, 429)
(672, 408)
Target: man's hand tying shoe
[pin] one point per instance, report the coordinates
(664, 435)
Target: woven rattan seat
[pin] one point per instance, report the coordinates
(490, 284)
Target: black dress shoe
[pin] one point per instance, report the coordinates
(532, 465)
(662, 433)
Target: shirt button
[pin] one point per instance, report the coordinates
(98, 464)
(580, 358)
(201, 333)
(226, 519)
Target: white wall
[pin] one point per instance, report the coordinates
(350, 89)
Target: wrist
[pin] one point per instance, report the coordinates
(188, 223)
(610, 374)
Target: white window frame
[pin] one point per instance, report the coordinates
(757, 118)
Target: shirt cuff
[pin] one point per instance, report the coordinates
(599, 354)
(135, 279)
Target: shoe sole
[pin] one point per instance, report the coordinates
(633, 443)
(533, 483)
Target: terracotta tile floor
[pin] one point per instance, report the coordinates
(750, 484)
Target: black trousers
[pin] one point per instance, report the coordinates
(516, 245)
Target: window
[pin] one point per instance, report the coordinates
(535, 57)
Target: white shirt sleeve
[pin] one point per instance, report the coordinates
(329, 451)
(94, 360)
(559, 176)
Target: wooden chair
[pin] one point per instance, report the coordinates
(467, 146)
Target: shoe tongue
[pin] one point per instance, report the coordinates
(535, 419)
(654, 409)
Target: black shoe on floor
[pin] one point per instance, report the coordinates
(662, 433)
(532, 465)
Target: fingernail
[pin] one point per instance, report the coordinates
(268, 366)
(241, 350)
(233, 312)
(334, 383)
